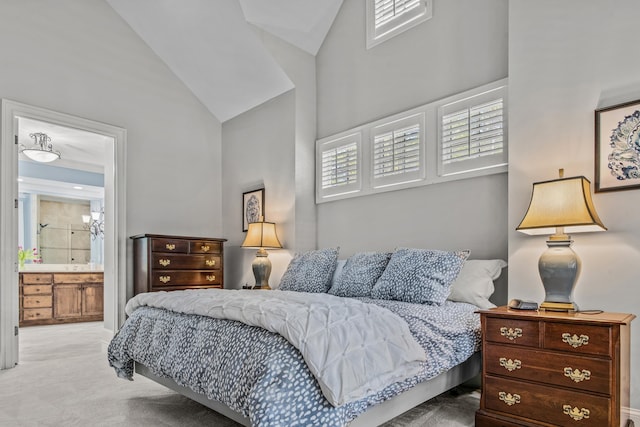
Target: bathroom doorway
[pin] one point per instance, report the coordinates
(80, 165)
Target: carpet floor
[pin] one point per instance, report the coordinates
(63, 380)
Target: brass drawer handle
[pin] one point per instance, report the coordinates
(165, 279)
(574, 340)
(210, 278)
(170, 246)
(205, 248)
(164, 262)
(575, 413)
(510, 365)
(508, 398)
(210, 262)
(577, 375)
(510, 333)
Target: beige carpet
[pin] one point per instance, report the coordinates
(63, 380)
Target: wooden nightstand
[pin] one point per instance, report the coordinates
(554, 369)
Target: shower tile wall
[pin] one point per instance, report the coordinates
(62, 237)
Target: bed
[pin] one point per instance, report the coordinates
(212, 347)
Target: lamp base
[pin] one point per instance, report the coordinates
(261, 269)
(569, 307)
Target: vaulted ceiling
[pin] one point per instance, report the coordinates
(213, 47)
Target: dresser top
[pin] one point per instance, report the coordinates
(164, 236)
(603, 317)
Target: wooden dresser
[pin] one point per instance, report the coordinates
(50, 298)
(554, 369)
(169, 263)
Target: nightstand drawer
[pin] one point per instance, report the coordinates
(186, 278)
(578, 338)
(186, 262)
(170, 245)
(552, 405)
(36, 301)
(582, 373)
(510, 331)
(36, 289)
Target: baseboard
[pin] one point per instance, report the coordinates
(634, 414)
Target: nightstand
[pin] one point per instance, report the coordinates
(550, 368)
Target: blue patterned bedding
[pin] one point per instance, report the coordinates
(261, 375)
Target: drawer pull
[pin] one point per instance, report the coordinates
(210, 262)
(574, 340)
(577, 375)
(575, 413)
(164, 262)
(508, 398)
(510, 365)
(165, 279)
(210, 277)
(205, 248)
(510, 333)
(170, 246)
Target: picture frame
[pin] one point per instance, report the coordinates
(252, 207)
(617, 146)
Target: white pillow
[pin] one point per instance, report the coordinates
(474, 284)
(338, 271)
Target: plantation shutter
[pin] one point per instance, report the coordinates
(339, 166)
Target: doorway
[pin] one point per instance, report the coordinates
(114, 249)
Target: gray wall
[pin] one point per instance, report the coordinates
(567, 59)
(272, 146)
(463, 46)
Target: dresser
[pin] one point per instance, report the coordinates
(554, 369)
(53, 297)
(169, 263)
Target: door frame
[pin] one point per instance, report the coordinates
(115, 243)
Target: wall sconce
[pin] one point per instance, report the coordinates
(94, 223)
(261, 235)
(565, 205)
(42, 150)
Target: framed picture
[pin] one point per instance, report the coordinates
(252, 207)
(618, 147)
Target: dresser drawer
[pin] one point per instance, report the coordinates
(582, 373)
(186, 278)
(204, 247)
(31, 278)
(36, 301)
(578, 338)
(36, 289)
(36, 313)
(511, 331)
(549, 404)
(187, 262)
(170, 245)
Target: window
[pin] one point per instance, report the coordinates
(472, 133)
(398, 152)
(339, 169)
(462, 136)
(386, 18)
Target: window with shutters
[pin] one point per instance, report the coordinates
(462, 136)
(472, 132)
(386, 18)
(338, 171)
(398, 151)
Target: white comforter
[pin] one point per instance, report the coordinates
(352, 348)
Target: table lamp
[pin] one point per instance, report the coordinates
(261, 235)
(562, 205)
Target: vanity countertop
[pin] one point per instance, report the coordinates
(61, 268)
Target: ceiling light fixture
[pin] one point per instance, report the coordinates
(41, 150)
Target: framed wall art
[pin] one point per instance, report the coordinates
(252, 207)
(617, 160)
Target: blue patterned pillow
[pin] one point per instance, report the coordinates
(419, 276)
(310, 271)
(359, 274)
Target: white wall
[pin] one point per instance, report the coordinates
(80, 58)
(567, 59)
(272, 145)
(463, 46)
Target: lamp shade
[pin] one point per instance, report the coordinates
(261, 235)
(564, 202)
